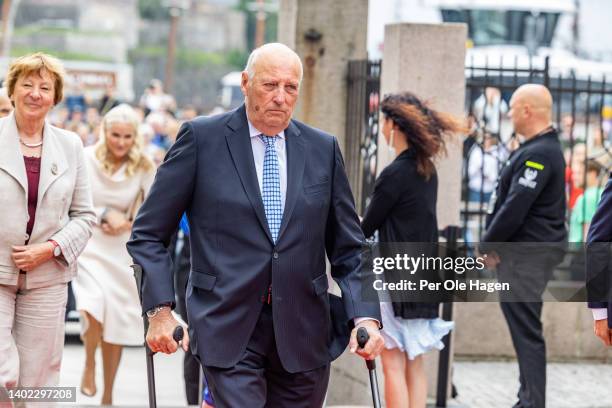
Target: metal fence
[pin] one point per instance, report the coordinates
(582, 113)
(362, 114)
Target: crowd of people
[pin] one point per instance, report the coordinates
(158, 116)
(256, 282)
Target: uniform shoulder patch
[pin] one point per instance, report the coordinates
(529, 178)
(534, 165)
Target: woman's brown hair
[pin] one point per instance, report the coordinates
(425, 128)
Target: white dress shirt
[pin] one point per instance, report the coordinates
(600, 314)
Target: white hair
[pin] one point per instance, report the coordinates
(256, 53)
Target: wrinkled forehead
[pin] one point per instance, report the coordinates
(280, 66)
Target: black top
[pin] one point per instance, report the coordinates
(403, 205)
(529, 202)
(403, 209)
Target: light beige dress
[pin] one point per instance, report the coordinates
(105, 285)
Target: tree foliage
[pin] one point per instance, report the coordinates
(152, 10)
(271, 34)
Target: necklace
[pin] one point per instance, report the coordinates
(31, 145)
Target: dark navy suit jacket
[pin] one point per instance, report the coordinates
(598, 261)
(210, 174)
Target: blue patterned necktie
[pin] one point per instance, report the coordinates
(272, 201)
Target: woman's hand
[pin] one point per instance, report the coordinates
(115, 223)
(107, 229)
(28, 257)
(114, 219)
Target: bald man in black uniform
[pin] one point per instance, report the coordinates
(528, 206)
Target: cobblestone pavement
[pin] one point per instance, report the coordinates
(569, 385)
(480, 384)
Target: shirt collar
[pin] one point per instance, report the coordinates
(253, 132)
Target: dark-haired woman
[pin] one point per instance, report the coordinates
(403, 210)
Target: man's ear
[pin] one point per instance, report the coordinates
(526, 110)
(244, 82)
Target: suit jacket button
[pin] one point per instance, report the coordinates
(275, 255)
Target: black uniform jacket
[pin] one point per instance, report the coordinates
(529, 202)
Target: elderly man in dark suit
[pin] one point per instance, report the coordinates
(267, 199)
(598, 264)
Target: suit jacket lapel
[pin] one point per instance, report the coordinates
(52, 161)
(11, 159)
(239, 144)
(295, 172)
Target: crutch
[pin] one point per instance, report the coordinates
(177, 335)
(362, 339)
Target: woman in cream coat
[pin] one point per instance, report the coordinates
(105, 290)
(46, 218)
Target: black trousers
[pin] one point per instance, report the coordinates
(523, 311)
(259, 379)
(525, 326)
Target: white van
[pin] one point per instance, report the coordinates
(231, 95)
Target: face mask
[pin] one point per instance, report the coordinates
(390, 148)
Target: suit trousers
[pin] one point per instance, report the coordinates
(31, 334)
(259, 379)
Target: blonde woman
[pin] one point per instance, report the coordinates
(105, 290)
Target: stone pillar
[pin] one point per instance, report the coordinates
(428, 60)
(325, 34)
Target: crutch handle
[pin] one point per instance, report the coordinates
(178, 333)
(362, 339)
